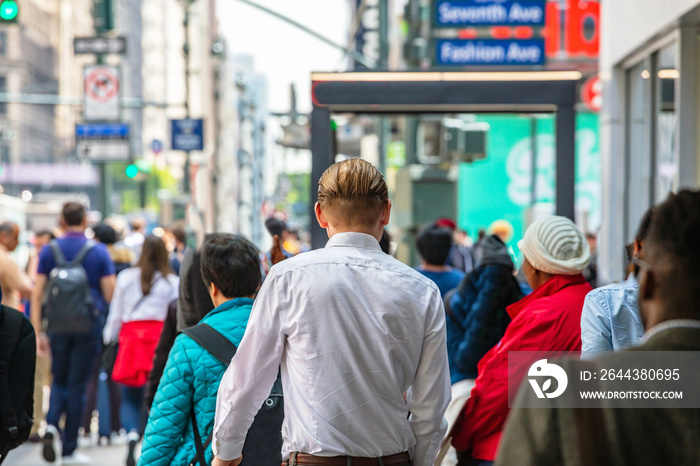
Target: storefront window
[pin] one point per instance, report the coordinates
(639, 161)
(666, 160)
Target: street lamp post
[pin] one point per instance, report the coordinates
(187, 4)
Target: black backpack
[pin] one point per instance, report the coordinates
(68, 305)
(17, 361)
(263, 445)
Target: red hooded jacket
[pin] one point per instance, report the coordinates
(549, 319)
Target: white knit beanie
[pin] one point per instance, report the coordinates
(555, 245)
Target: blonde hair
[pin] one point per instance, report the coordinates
(352, 192)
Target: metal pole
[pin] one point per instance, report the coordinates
(186, 51)
(566, 162)
(322, 157)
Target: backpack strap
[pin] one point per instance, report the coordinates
(222, 349)
(57, 253)
(213, 341)
(78, 259)
(9, 337)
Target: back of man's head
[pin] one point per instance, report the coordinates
(434, 244)
(672, 250)
(645, 226)
(232, 264)
(352, 192)
(73, 214)
(179, 233)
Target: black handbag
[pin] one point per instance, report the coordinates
(109, 357)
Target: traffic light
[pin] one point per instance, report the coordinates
(131, 171)
(8, 11)
(102, 15)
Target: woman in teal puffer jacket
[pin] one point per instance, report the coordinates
(230, 268)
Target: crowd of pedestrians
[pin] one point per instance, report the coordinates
(225, 355)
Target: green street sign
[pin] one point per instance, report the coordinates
(8, 11)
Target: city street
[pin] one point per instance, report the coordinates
(30, 455)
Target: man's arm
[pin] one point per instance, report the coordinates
(36, 314)
(248, 380)
(430, 394)
(107, 285)
(596, 334)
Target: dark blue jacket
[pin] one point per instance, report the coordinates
(476, 312)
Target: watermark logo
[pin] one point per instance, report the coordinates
(542, 369)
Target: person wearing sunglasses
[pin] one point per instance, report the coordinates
(610, 320)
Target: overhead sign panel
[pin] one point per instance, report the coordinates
(187, 134)
(99, 45)
(493, 52)
(465, 13)
(101, 92)
(103, 142)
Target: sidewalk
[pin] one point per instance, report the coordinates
(30, 455)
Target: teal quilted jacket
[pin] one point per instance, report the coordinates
(191, 377)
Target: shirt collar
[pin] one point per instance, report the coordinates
(74, 234)
(354, 240)
(553, 286)
(230, 304)
(669, 324)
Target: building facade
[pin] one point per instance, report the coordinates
(649, 63)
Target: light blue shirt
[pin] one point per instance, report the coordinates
(610, 320)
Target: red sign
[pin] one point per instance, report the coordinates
(572, 36)
(101, 85)
(592, 93)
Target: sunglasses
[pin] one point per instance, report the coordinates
(640, 264)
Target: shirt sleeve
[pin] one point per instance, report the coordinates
(430, 394)
(106, 263)
(46, 262)
(596, 334)
(116, 311)
(252, 372)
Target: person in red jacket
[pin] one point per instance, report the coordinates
(549, 319)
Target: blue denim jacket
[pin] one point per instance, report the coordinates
(610, 320)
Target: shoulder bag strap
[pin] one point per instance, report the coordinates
(57, 253)
(78, 259)
(222, 349)
(9, 337)
(213, 341)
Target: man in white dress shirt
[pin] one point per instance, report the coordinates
(353, 331)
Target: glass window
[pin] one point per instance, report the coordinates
(666, 157)
(639, 176)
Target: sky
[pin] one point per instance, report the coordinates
(283, 53)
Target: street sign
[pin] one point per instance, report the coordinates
(103, 142)
(467, 13)
(187, 134)
(101, 92)
(99, 45)
(156, 146)
(489, 52)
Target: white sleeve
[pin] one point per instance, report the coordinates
(252, 372)
(113, 326)
(430, 392)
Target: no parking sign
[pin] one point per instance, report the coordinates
(101, 90)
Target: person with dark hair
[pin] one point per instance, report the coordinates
(73, 354)
(385, 242)
(230, 269)
(179, 234)
(461, 256)
(434, 245)
(668, 279)
(136, 317)
(193, 302)
(610, 320)
(122, 256)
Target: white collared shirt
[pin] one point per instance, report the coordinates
(353, 330)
